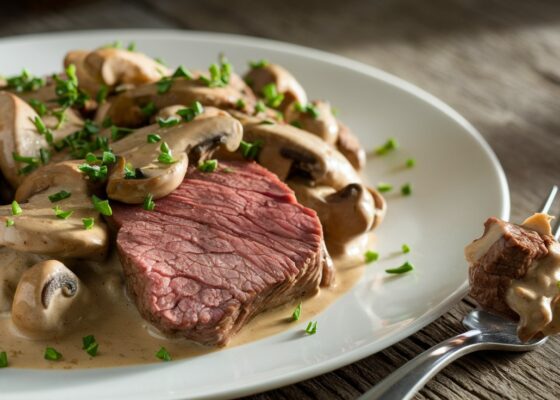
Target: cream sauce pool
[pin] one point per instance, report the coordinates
(126, 339)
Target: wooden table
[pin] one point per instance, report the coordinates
(495, 61)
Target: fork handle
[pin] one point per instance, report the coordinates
(406, 381)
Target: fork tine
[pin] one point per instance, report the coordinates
(549, 200)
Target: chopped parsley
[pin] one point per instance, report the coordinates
(39, 107)
(390, 145)
(63, 194)
(90, 345)
(16, 209)
(102, 94)
(131, 46)
(168, 123)
(308, 109)
(149, 203)
(9, 222)
(149, 109)
(311, 328)
(406, 267)
(406, 189)
(51, 354)
(163, 354)
(3, 359)
(45, 156)
(32, 163)
(119, 132)
(272, 97)
(297, 312)
(250, 150)
(208, 166)
(67, 91)
(219, 74)
(405, 248)
(260, 107)
(240, 104)
(258, 64)
(25, 82)
(165, 156)
(384, 187)
(61, 214)
(132, 173)
(83, 141)
(371, 256)
(94, 172)
(164, 84)
(297, 124)
(102, 206)
(190, 113)
(153, 138)
(88, 223)
(182, 72)
(411, 162)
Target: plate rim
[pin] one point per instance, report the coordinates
(356, 66)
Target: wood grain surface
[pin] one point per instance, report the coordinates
(496, 62)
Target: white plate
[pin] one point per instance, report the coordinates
(457, 183)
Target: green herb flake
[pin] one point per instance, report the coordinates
(108, 158)
(260, 107)
(258, 64)
(40, 125)
(272, 97)
(25, 82)
(190, 113)
(163, 354)
(88, 223)
(165, 156)
(131, 46)
(410, 163)
(240, 104)
(208, 166)
(3, 359)
(90, 345)
(297, 124)
(297, 312)
(168, 123)
(149, 203)
(10, 222)
(153, 138)
(102, 94)
(94, 172)
(371, 256)
(61, 214)
(406, 189)
(250, 150)
(16, 209)
(311, 328)
(405, 248)
(51, 354)
(384, 187)
(149, 109)
(39, 107)
(308, 109)
(163, 85)
(406, 267)
(390, 145)
(63, 194)
(102, 206)
(45, 156)
(67, 91)
(118, 132)
(182, 72)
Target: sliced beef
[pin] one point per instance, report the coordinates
(220, 249)
(511, 249)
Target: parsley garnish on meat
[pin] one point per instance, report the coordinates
(149, 203)
(208, 166)
(250, 150)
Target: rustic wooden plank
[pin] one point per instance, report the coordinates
(495, 61)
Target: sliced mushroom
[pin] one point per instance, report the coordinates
(257, 78)
(126, 108)
(13, 264)
(287, 151)
(38, 230)
(350, 147)
(194, 140)
(49, 300)
(111, 67)
(323, 124)
(18, 135)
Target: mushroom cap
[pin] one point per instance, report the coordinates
(49, 300)
(38, 230)
(196, 139)
(324, 125)
(113, 67)
(349, 145)
(18, 134)
(125, 109)
(287, 150)
(285, 82)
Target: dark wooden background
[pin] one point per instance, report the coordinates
(496, 61)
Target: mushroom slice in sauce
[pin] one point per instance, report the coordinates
(49, 300)
(111, 67)
(258, 77)
(125, 109)
(320, 122)
(38, 230)
(196, 140)
(18, 135)
(348, 144)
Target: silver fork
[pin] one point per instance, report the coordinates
(487, 332)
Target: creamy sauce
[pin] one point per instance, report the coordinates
(126, 339)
